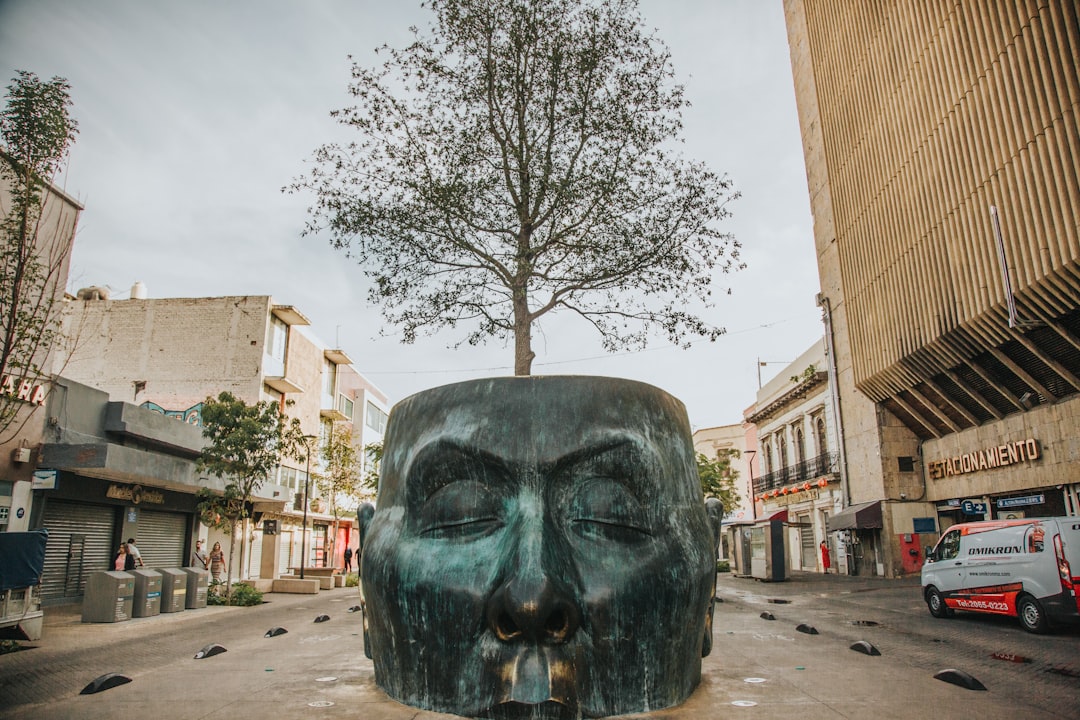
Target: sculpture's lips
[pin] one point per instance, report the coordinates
(537, 683)
(549, 710)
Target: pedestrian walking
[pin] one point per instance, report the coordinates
(348, 559)
(199, 558)
(217, 562)
(133, 551)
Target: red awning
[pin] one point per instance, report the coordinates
(779, 515)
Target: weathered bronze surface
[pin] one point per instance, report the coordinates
(540, 549)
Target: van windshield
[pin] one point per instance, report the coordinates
(948, 547)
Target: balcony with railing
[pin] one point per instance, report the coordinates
(823, 465)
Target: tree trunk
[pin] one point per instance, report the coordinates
(228, 570)
(523, 353)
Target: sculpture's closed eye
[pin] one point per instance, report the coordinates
(462, 509)
(605, 509)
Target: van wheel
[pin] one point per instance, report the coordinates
(1031, 615)
(936, 603)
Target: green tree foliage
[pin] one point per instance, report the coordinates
(718, 478)
(37, 131)
(246, 445)
(340, 477)
(370, 479)
(517, 160)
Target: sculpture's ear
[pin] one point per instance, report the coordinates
(364, 513)
(715, 510)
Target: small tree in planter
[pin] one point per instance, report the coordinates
(246, 445)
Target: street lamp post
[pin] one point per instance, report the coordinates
(307, 481)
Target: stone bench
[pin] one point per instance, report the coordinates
(307, 586)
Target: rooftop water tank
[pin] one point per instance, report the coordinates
(138, 291)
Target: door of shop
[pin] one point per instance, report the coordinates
(319, 545)
(161, 537)
(285, 552)
(807, 546)
(80, 542)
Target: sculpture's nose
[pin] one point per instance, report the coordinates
(530, 607)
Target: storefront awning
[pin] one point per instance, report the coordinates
(857, 517)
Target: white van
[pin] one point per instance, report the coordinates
(1007, 567)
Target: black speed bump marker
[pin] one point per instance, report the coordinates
(209, 651)
(104, 682)
(959, 677)
(354, 608)
(322, 618)
(865, 648)
(275, 631)
(767, 616)
(808, 629)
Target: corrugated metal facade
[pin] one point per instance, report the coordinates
(931, 113)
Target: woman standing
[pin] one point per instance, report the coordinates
(121, 558)
(217, 562)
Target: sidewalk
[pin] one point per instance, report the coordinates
(758, 668)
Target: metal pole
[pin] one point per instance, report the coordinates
(303, 532)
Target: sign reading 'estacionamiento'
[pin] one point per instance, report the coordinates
(988, 459)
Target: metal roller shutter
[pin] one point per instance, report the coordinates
(80, 542)
(255, 555)
(161, 538)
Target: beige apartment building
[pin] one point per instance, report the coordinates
(941, 143)
(23, 393)
(170, 354)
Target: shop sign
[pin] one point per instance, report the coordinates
(191, 416)
(986, 459)
(804, 496)
(970, 507)
(1021, 501)
(23, 389)
(43, 480)
(135, 494)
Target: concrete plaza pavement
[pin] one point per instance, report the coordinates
(758, 668)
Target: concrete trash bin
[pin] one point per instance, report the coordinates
(108, 597)
(173, 589)
(198, 586)
(147, 596)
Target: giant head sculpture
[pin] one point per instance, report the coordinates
(539, 549)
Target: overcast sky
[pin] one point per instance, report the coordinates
(193, 114)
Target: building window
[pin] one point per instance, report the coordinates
(288, 477)
(345, 406)
(822, 443)
(277, 334)
(906, 464)
(376, 418)
(800, 448)
(329, 377)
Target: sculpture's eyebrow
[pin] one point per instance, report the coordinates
(631, 456)
(445, 461)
